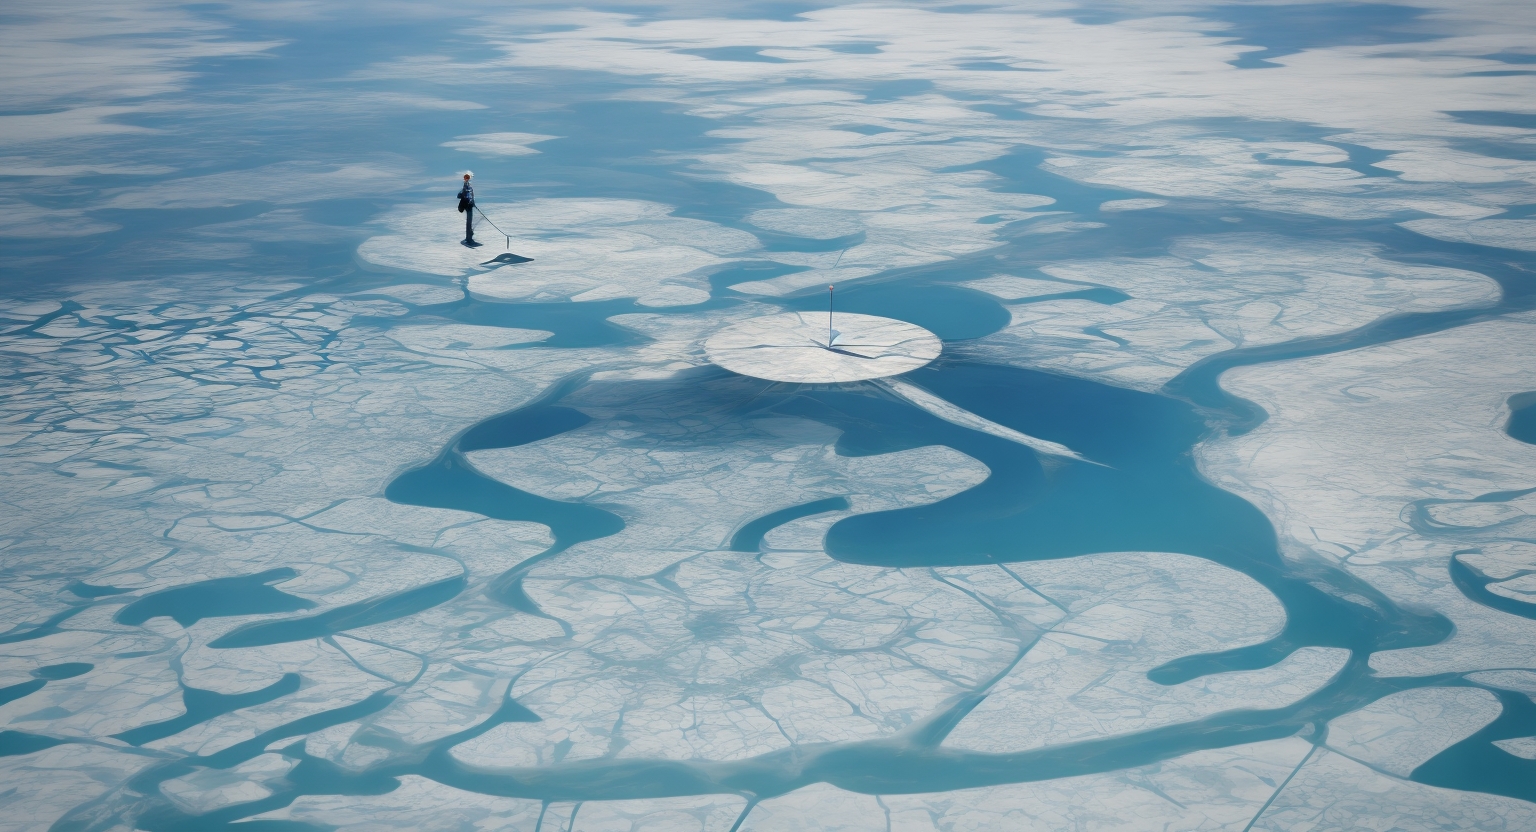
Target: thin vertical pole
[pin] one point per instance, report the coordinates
(830, 330)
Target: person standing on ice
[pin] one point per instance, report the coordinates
(467, 208)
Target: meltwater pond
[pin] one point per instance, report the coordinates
(1172, 470)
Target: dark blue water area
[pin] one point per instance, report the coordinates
(48, 627)
(1511, 57)
(241, 595)
(1495, 118)
(1499, 150)
(203, 705)
(17, 743)
(378, 610)
(954, 313)
(1477, 765)
(749, 538)
(11, 693)
(742, 54)
(520, 427)
(1522, 418)
(452, 482)
(85, 590)
(883, 91)
(1474, 585)
(1288, 29)
(854, 47)
(997, 66)
(67, 670)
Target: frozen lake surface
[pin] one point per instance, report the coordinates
(1174, 467)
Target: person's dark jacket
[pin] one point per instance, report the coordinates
(466, 198)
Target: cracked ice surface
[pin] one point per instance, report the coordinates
(582, 250)
(1356, 440)
(1117, 617)
(1210, 295)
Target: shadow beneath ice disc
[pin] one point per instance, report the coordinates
(508, 259)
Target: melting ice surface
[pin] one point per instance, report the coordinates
(1209, 503)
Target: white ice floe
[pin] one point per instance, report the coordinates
(811, 348)
(1209, 295)
(1515, 234)
(1398, 733)
(498, 144)
(582, 250)
(1221, 788)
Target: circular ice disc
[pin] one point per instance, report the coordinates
(793, 347)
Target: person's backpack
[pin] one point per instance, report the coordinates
(464, 204)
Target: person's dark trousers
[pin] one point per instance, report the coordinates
(469, 223)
